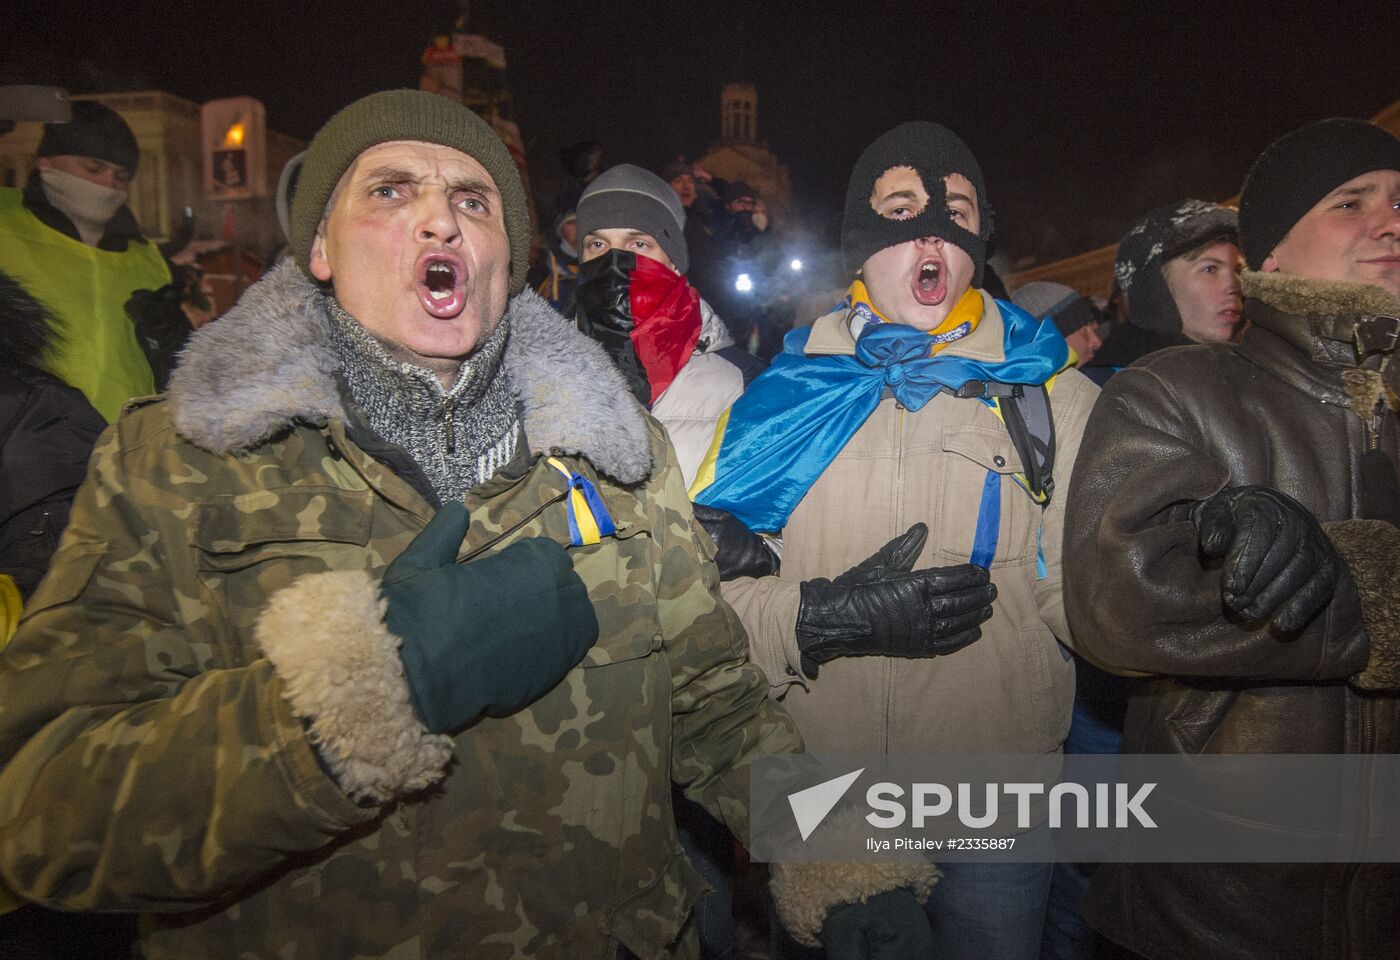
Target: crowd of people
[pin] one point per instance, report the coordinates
(434, 602)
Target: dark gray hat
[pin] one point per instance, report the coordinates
(96, 130)
(629, 197)
(1065, 306)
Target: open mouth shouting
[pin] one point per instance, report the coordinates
(930, 284)
(441, 283)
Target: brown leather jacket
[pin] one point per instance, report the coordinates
(1170, 431)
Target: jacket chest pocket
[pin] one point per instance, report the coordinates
(620, 575)
(250, 545)
(982, 507)
(619, 571)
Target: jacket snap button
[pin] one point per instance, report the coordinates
(999, 460)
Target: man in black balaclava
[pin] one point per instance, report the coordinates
(918, 605)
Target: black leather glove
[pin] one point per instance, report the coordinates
(1279, 565)
(161, 328)
(888, 926)
(739, 552)
(489, 636)
(881, 607)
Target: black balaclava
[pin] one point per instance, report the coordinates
(1163, 235)
(933, 152)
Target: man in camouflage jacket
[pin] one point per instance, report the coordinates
(204, 717)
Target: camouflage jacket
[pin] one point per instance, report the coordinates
(156, 760)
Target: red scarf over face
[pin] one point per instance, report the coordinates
(666, 321)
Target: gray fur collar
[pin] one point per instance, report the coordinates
(1306, 296)
(269, 363)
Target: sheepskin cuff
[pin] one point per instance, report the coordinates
(326, 638)
(1371, 549)
(804, 893)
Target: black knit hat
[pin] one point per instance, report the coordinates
(676, 168)
(934, 152)
(1299, 169)
(737, 190)
(1162, 235)
(96, 130)
(406, 115)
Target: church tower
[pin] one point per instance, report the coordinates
(739, 154)
(739, 113)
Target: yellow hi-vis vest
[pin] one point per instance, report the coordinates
(87, 289)
(10, 608)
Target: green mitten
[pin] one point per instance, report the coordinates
(489, 636)
(888, 926)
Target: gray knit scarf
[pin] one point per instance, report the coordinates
(458, 437)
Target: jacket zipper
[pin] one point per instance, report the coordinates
(1373, 442)
(448, 408)
(1352, 871)
(557, 498)
(900, 414)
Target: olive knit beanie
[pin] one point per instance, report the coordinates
(406, 115)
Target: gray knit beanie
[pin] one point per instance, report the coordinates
(629, 197)
(406, 115)
(1064, 306)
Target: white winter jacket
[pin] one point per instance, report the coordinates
(712, 379)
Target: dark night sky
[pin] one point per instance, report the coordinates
(1083, 115)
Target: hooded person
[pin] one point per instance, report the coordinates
(1178, 272)
(633, 298)
(558, 275)
(1234, 536)
(401, 587)
(886, 638)
(47, 432)
(69, 238)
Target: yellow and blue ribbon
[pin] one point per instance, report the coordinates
(589, 520)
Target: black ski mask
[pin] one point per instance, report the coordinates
(933, 152)
(604, 302)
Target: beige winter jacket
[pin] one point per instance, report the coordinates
(1009, 692)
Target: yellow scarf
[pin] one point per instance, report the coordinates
(964, 318)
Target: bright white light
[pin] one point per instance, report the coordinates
(796, 265)
(743, 283)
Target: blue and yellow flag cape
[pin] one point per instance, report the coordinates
(774, 442)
